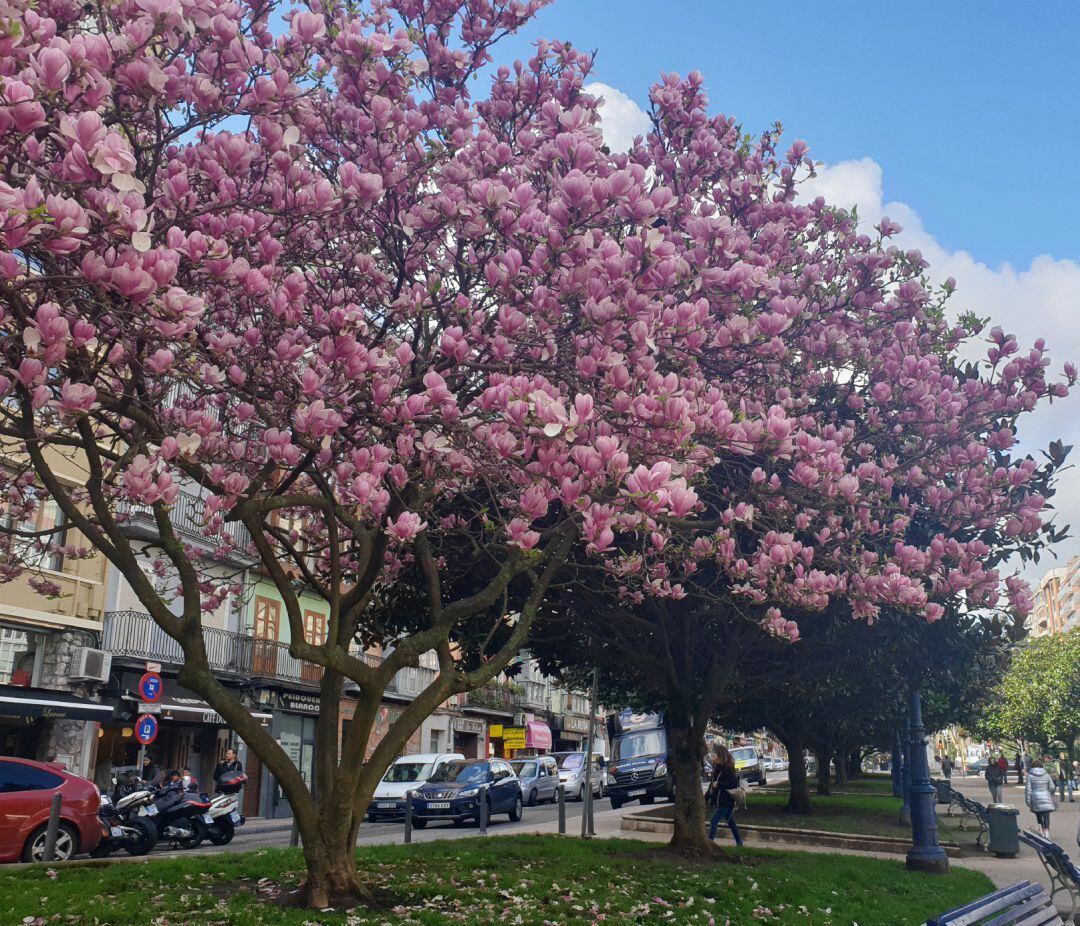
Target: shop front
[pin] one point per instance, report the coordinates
(28, 716)
(191, 734)
(294, 722)
(533, 739)
(470, 737)
(573, 732)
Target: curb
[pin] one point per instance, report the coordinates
(853, 841)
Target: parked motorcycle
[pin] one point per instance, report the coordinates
(181, 817)
(123, 827)
(225, 808)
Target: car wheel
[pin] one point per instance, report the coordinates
(419, 824)
(67, 844)
(371, 818)
(532, 798)
(145, 841)
(615, 803)
(515, 811)
(648, 799)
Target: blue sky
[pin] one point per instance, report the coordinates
(947, 117)
(964, 105)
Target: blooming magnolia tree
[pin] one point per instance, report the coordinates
(861, 462)
(426, 346)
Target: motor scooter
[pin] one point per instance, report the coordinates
(225, 808)
(181, 816)
(122, 825)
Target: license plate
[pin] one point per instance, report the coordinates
(235, 817)
(637, 793)
(387, 805)
(117, 831)
(438, 805)
(207, 818)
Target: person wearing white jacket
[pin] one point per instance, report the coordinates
(1039, 795)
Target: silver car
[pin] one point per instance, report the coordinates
(539, 777)
(572, 774)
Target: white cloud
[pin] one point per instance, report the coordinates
(620, 117)
(1040, 300)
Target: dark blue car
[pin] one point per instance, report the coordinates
(455, 793)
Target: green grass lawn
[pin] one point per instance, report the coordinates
(519, 880)
(871, 814)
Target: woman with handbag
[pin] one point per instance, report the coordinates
(723, 792)
(1040, 796)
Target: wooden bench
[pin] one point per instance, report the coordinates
(1063, 874)
(1023, 904)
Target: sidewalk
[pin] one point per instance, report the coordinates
(1026, 866)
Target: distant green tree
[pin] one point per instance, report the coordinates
(1038, 697)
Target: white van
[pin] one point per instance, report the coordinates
(407, 773)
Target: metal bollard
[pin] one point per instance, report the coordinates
(592, 819)
(562, 810)
(482, 797)
(53, 827)
(408, 816)
(294, 833)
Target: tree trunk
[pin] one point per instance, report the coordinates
(824, 759)
(855, 764)
(687, 754)
(841, 767)
(332, 878)
(798, 786)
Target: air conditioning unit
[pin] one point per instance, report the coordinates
(519, 719)
(91, 664)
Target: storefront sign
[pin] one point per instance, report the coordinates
(513, 738)
(572, 724)
(298, 702)
(495, 731)
(468, 725)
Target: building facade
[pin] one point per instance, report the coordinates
(1057, 601)
(50, 666)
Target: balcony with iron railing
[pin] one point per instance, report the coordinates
(133, 635)
(187, 519)
(500, 696)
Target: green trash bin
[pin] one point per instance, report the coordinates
(1004, 836)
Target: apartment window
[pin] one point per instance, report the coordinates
(315, 627)
(46, 516)
(435, 741)
(17, 652)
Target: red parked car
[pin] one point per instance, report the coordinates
(26, 791)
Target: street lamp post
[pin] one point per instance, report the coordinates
(925, 854)
(904, 818)
(897, 767)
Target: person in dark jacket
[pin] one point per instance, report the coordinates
(230, 765)
(994, 780)
(1018, 767)
(723, 780)
(946, 767)
(151, 774)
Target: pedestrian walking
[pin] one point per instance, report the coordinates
(1074, 780)
(1064, 777)
(723, 792)
(994, 780)
(1003, 765)
(946, 767)
(1018, 767)
(1039, 795)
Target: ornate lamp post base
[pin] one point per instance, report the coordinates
(925, 854)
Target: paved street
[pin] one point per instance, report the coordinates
(260, 834)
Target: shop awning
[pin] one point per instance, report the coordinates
(537, 735)
(192, 710)
(19, 703)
